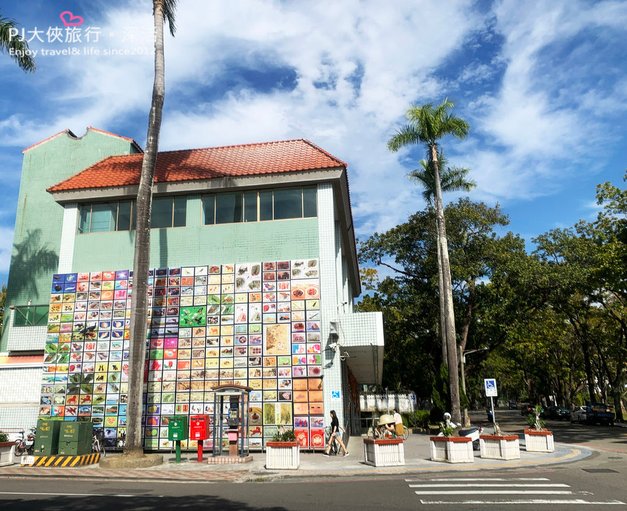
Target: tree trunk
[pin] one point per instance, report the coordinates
(447, 288)
(141, 259)
(441, 297)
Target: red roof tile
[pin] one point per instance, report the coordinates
(202, 164)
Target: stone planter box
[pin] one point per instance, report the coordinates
(385, 452)
(282, 455)
(539, 440)
(500, 447)
(452, 449)
(7, 453)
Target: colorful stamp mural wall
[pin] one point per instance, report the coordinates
(252, 324)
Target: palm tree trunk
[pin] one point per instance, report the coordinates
(447, 291)
(141, 259)
(441, 296)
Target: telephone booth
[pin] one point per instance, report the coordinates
(230, 420)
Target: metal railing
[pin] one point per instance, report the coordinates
(30, 315)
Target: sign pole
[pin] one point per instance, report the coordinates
(492, 408)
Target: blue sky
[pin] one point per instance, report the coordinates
(542, 84)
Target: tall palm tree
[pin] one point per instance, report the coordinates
(16, 47)
(162, 10)
(453, 179)
(427, 125)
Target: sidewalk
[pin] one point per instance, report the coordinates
(311, 465)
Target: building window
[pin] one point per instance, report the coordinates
(168, 212)
(120, 216)
(106, 216)
(280, 204)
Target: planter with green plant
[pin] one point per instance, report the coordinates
(537, 438)
(499, 446)
(283, 451)
(6, 449)
(449, 448)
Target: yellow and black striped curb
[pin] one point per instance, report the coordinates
(66, 461)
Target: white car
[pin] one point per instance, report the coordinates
(579, 414)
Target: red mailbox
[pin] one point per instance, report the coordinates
(199, 427)
(199, 430)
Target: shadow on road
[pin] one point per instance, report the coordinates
(135, 502)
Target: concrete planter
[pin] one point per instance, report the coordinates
(452, 449)
(282, 455)
(500, 447)
(7, 453)
(385, 452)
(539, 440)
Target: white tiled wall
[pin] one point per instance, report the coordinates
(19, 408)
(25, 338)
(328, 303)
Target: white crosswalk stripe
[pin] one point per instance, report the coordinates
(499, 491)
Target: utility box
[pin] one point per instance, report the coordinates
(199, 427)
(177, 428)
(47, 437)
(75, 438)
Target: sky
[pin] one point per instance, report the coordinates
(543, 85)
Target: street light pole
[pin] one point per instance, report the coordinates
(462, 361)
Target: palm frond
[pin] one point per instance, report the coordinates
(169, 13)
(404, 136)
(16, 47)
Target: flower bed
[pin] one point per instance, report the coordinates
(500, 447)
(6, 453)
(452, 449)
(385, 452)
(539, 440)
(282, 455)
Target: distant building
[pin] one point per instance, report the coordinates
(255, 272)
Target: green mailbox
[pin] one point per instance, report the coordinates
(75, 438)
(177, 428)
(47, 437)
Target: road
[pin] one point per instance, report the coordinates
(593, 483)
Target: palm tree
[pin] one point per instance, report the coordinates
(428, 124)
(162, 10)
(16, 47)
(453, 179)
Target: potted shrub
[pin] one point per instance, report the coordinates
(283, 451)
(6, 449)
(538, 439)
(499, 446)
(449, 448)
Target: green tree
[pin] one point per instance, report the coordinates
(162, 10)
(3, 301)
(15, 46)
(427, 125)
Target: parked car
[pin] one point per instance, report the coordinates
(526, 408)
(556, 412)
(594, 413)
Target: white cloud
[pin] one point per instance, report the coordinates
(356, 66)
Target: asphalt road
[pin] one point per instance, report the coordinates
(593, 483)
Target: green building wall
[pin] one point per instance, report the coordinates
(197, 244)
(39, 218)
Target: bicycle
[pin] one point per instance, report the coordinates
(97, 442)
(25, 443)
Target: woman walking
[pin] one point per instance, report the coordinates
(335, 435)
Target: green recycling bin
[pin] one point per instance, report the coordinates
(75, 438)
(177, 428)
(47, 437)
